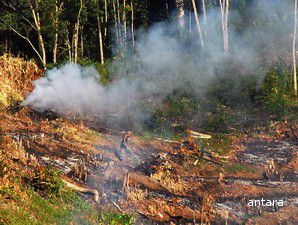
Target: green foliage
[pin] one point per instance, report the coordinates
(51, 203)
(172, 117)
(234, 168)
(31, 208)
(218, 119)
(276, 90)
(46, 180)
(117, 219)
(219, 143)
(103, 69)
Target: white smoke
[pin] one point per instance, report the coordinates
(169, 59)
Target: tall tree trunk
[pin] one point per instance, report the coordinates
(205, 15)
(58, 8)
(124, 19)
(198, 23)
(116, 20)
(82, 42)
(132, 24)
(180, 12)
(189, 21)
(6, 44)
(226, 24)
(119, 21)
(69, 48)
(204, 11)
(76, 34)
(167, 10)
(106, 16)
(36, 18)
(100, 40)
(294, 51)
(224, 8)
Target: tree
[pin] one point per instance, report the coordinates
(106, 16)
(58, 9)
(294, 49)
(132, 24)
(224, 8)
(124, 19)
(25, 18)
(198, 23)
(180, 12)
(76, 33)
(204, 12)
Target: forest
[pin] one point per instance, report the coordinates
(148, 111)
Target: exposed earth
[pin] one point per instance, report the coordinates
(166, 181)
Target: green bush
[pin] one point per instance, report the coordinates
(102, 69)
(117, 219)
(276, 90)
(218, 119)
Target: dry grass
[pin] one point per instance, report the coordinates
(16, 76)
(170, 181)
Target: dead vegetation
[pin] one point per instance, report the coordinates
(16, 76)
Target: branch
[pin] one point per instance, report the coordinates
(28, 40)
(14, 9)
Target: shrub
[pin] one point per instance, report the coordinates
(117, 219)
(276, 90)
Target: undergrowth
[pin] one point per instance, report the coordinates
(16, 76)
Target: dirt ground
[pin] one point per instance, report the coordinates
(165, 182)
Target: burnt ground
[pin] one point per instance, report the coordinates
(168, 183)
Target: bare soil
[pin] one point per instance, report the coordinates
(163, 186)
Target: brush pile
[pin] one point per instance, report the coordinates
(16, 76)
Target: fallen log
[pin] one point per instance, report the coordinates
(135, 178)
(195, 134)
(79, 188)
(169, 141)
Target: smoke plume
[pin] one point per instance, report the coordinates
(168, 59)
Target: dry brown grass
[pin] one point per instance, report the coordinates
(171, 182)
(16, 76)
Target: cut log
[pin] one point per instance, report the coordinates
(145, 181)
(79, 188)
(195, 134)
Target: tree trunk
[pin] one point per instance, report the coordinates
(100, 40)
(226, 24)
(222, 5)
(224, 9)
(82, 42)
(69, 49)
(76, 34)
(124, 19)
(167, 10)
(294, 51)
(180, 12)
(106, 17)
(205, 16)
(115, 20)
(119, 21)
(204, 13)
(132, 24)
(56, 27)
(198, 23)
(36, 18)
(189, 21)
(56, 32)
